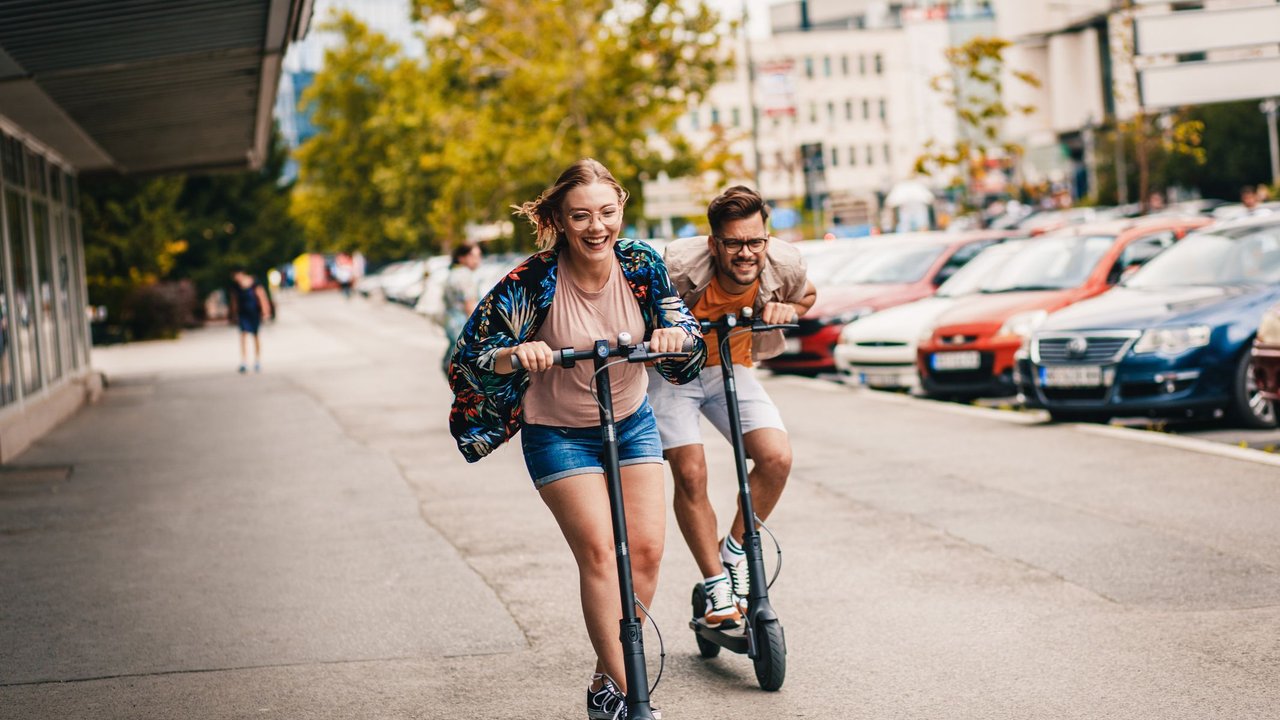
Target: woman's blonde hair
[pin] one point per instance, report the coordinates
(545, 212)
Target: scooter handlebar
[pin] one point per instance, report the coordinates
(638, 352)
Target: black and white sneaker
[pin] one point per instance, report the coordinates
(607, 703)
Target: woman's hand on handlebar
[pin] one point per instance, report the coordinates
(778, 313)
(668, 340)
(533, 356)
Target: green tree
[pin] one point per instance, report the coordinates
(524, 89)
(363, 183)
(974, 90)
(237, 219)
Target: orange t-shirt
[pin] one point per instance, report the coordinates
(714, 304)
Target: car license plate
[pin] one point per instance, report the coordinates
(792, 347)
(879, 380)
(963, 360)
(1071, 376)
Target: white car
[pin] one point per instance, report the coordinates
(879, 350)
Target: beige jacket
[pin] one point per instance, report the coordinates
(783, 279)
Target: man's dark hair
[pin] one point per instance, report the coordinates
(736, 203)
(462, 250)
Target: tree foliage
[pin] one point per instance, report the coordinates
(141, 232)
(974, 90)
(410, 153)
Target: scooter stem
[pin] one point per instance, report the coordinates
(632, 634)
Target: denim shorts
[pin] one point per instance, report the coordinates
(552, 452)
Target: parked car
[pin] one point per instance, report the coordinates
(880, 350)
(1173, 340)
(970, 350)
(1266, 355)
(372, 282)
(877, 273)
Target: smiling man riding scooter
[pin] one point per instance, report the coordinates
(737, 266)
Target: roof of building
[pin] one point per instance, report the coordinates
(142, 86)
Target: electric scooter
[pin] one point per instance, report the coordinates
(761, 639)
(632, 637)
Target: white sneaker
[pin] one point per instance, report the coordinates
(740, 578)
(721, 611)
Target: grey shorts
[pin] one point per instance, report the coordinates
(679, 408)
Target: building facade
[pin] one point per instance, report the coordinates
(841, 101)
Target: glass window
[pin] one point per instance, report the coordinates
(24, 306)
(886, 153)
(835, 157)
(1050, 263)
(848, 110)
(736, 114)
(715, 116)
(866, 109)
(693, 119)
(12, 159)
(826, 66)
(831, 112)
(889, 264)
(844, 65)
(1247, 256)
(8, 386)
(50, 347)
(871, 159)
(884, 112)
(853, 155)
(813, 113)
(862, 64)
(79, 301)
(808, 67)
(879, 64)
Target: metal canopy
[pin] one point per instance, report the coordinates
(146, 85)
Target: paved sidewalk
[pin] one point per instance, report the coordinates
(210, 541)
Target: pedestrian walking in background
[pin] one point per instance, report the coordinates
(460, 296)
(584, 285)
(344, 274)
(249, 306)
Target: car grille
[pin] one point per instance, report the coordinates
(1068, 394)
(880, 343)
(1099, 348)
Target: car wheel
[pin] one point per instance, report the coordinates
(1084, 416)
(1248, 407)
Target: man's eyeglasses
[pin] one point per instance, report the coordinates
(735, 245)
(581, 219)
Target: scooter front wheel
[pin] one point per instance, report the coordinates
(706, 648)
(771, 655)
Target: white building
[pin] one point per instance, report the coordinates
(850, 79)
(1089, 59)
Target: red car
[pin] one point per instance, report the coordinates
(876, 273)
(1266, 355)
(970, 350)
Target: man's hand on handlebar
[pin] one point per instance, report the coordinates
(668, 340)
(778, 313)
(533, 356)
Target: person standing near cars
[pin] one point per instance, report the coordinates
(460, 293)
(737, 266)
(585, 284)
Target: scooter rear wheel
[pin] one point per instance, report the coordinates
(771, 655)
(706, 648)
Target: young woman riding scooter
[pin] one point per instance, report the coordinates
(585, 284)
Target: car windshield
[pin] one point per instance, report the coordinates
(1252, 256)
(888, 264)
(1050, 263)
(968, 279)
(823, 261)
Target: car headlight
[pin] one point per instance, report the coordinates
(847, 317)
(1172, 341)
(926, 335)
(1269, 330)
(1023, 324)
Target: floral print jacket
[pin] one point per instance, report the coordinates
(486, 404)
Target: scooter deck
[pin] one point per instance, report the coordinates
(735, 641)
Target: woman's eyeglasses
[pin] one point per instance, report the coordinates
(581, 219)
(735, 245)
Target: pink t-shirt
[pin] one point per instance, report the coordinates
(577, 319)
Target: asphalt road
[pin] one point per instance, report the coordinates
(345, 562)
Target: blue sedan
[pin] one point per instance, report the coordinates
(1173, 340)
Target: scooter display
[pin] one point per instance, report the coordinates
(632, 637)
(761, 638)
